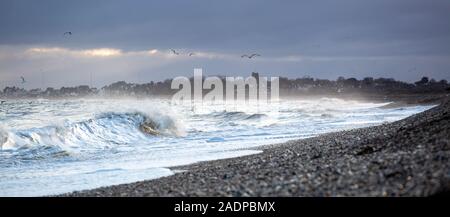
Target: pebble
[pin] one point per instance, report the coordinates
(409, 157)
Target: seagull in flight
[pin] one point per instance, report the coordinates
(174, 52)
(23, 79)
(250, 56)
(191, 54)
(254, 55)
(67, 33)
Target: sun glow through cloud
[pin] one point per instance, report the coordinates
(97, 52)
(102, 52)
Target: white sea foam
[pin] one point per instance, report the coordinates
(56, 146)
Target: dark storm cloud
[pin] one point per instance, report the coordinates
(340, 27)
(365, 38)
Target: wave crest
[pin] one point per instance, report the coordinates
(105, 130)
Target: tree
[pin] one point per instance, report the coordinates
(351, 82)
(368, 81)
(422, 81)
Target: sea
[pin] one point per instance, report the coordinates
(49, 147)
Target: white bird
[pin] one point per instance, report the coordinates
(191, 54)
(174, 52)
(67, 33)
(23, 79)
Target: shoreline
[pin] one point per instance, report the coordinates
(409, 157)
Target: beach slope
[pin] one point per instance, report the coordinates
(409, 157)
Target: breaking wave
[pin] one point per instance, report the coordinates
(105, 130)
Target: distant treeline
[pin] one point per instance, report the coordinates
(288, 87)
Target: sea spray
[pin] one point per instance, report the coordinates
(75, 145)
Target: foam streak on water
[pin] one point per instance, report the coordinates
(58, 146)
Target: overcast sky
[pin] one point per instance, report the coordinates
(131, 40)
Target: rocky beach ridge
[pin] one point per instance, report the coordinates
(409, 157)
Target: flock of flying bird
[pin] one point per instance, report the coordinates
(249, 56)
